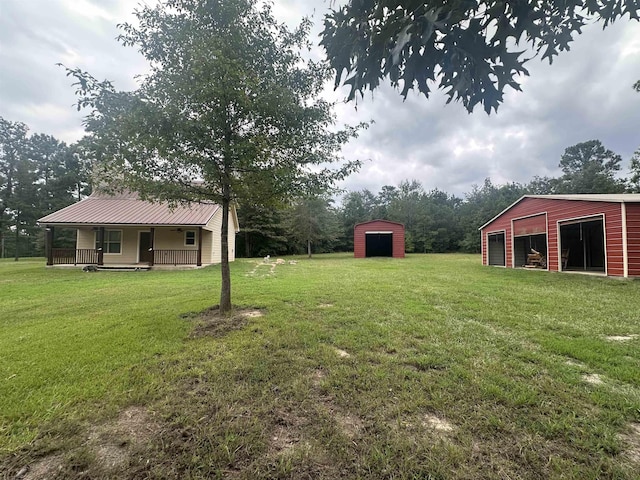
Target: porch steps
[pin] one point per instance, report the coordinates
(123, 268)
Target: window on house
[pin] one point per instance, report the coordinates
(112, 241)
(190, 238)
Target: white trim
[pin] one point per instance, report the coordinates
(625, 243)
(575, 220)
(195, 238)
(605, 197)
(138, 245)
(569, 221)
(497, 232)
(513, 237)
(378, 233)
(95, 240)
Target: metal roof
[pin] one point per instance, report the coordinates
(585, 197)
(128, 209)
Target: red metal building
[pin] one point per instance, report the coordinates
(595, 233)
(378, 238)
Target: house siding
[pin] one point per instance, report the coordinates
(633, 238)
(214, 249)
(557, 211)
(359, 237)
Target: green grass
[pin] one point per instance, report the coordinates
(498, 354)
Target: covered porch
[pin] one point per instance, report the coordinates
(131, 247)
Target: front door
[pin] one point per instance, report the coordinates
(144, 255)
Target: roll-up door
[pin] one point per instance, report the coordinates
(530, 225)
(495, 242)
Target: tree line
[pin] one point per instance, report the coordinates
(40, 174)
(434, 220)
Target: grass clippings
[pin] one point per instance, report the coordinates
(210, 323)
(593, 378)
(437, 423)
(342, 353)
(49, 467)
(622, 338)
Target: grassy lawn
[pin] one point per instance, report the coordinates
(431, 367)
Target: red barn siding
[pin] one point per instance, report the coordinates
(633, 238)
(359, 236)
(559, 210)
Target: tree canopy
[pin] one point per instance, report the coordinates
(38, 175)
(229, 107)
(589, 167)
(471, 49)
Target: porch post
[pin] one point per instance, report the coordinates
(153, 253)
(101, 246)
(48, 241)
(199, 247)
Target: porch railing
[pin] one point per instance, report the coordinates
(72, 256)
(175, 257)
(89, 256)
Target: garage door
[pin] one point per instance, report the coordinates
(530, 226)
(379, 244)
(495, 244)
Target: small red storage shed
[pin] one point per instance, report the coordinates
(378, 238)
(596, 233)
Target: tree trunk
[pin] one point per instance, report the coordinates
(225, 288)
(247, 245)
(16, 254)
(309, 248)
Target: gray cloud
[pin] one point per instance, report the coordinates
(586, 94)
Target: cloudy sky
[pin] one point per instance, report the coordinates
(586, 94)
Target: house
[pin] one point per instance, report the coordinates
(123, 230)
(589, 233)
(378, 238)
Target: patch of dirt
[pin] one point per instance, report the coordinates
(325, 305)
(112, 442)
(632, 440)
(592, 378)
(573, 363)
(317, 376)
(342, 353)
(210, 323)
(350, 425)
(287, 433)
(622, 338)
(266, 263)
(437, 423)
(45, 468)
(283, 440)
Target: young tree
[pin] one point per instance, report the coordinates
(312, 221)
(229, 102)
(470, 49)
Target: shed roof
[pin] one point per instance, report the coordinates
(585, 197)
(128, 209)
(379, 220)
